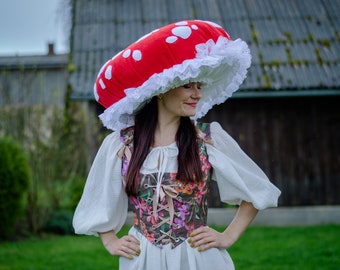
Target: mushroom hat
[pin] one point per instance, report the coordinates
(166, 58)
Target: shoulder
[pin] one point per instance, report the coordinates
(209, 128)
(111, 140)
(203, 131)
(214, 134)
(126, 135)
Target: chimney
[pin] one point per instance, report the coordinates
(50, 48)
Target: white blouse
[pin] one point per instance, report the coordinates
(104, 204)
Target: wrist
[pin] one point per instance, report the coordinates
(230, 237)
(107, 237)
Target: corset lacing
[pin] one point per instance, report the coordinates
(159, 158)
(166, 209)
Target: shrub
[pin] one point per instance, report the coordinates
(59, 155)
(14, 182)
(60, 223)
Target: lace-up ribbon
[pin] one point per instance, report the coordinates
(166, 209)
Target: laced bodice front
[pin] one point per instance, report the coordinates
(166, 209)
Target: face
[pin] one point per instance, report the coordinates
(181, 101)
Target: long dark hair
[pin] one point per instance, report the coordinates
(189, 164)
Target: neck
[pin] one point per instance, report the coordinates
(166, 131)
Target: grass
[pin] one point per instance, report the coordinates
(312, 248)
(302, 248)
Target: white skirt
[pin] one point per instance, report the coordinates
(183, 257)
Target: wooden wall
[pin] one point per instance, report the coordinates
(296, 141)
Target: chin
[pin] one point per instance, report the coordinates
(189, 114)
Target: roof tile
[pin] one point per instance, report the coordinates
(294, 44)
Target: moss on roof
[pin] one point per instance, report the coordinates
(295, 45)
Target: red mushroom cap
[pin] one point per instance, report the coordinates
(167, 58)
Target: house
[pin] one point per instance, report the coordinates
(286, 115)
(33, 79)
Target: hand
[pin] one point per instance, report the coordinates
(205, 238)
(127, 246)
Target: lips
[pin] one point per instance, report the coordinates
(194, 105)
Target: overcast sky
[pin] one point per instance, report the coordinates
(27, 26)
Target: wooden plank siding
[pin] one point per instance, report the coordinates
(296, 141)
(275, 116)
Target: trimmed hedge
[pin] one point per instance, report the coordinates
(14, 183)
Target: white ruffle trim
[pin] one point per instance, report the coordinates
(220, 66)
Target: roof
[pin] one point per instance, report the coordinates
(295, 45)
(33, 61)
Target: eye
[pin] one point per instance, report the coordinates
(192, 85)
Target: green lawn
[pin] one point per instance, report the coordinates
(316, 247)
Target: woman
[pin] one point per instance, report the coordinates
(161, 161)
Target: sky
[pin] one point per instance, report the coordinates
(27, 26)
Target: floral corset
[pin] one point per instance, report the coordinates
(167, 210)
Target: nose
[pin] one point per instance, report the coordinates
(197, 93)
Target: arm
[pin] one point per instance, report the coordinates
(103, 198)
(125, 246)
(205, 237)
(238, 177)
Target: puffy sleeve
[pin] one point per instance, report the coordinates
(237, 175)
(104, 204)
